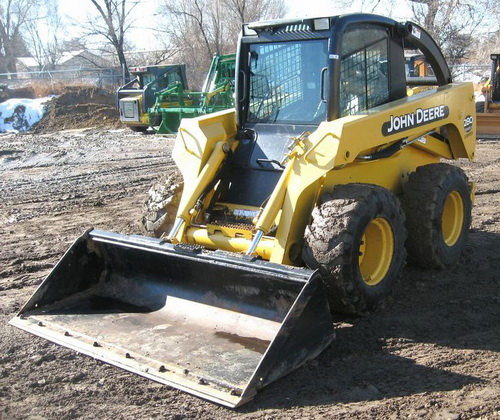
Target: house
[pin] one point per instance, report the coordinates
(69, 60)
(72, 66)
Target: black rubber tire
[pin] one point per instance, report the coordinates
(160, 208)
(138, 129)
(425, 195)
(332, 244)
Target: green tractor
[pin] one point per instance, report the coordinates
(175, 102)
(135, 97)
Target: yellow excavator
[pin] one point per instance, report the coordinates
(488, 109)
(306, 199)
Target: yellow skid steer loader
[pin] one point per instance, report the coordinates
(302, 201)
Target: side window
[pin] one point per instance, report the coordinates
(364, 74)
(419, 73)
(173, 77)
(416, 64)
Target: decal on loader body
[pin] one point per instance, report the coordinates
(468, 123)
(398, 123)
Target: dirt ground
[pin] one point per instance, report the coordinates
(431, 352)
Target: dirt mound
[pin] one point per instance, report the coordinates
(80, 107)
(28, 92)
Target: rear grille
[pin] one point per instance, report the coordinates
(298, 27)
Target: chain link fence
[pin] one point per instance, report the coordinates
(109, 78)
(470, 72)
(113, 77)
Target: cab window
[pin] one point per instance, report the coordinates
(364, 74)
(285, 82)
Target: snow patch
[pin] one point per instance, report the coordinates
(19, 115)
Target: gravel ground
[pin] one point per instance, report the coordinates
(431, 352)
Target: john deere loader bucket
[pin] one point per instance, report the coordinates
(212, 324)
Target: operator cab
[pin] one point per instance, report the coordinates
(292, 75)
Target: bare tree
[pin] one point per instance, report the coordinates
(44, 34)
(198, 29)
(193, 30)
(73, 44)
(115, 20)
(452, 23)
(14, 14)
(194, 23)
(245, 11)
(252, 10)
(486, 44)
(151, 57)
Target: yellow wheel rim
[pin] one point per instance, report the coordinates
(453, 218)
(376, 251)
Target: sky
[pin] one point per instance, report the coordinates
(304, 8)
(296, 8)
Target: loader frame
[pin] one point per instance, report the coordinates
(404, 133)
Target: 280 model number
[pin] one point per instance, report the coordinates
(468, 123)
